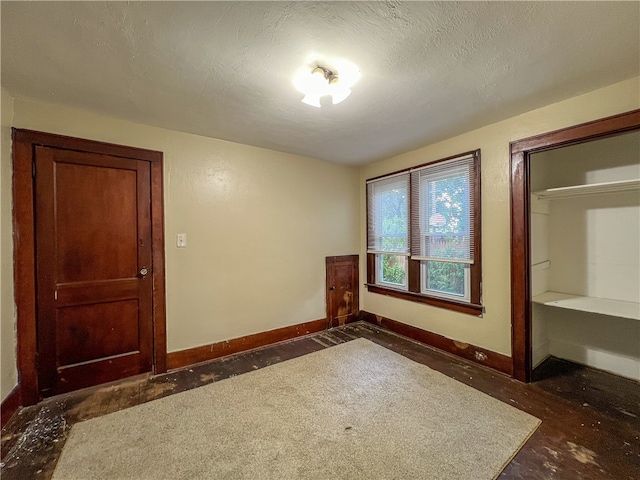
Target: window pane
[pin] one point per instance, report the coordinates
(393, 244)
(447, 217)
(442, 214)
(393, 269)
(446, 277)
(448, 205)
(392, 219)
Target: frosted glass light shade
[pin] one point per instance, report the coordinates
(312, 99)
(314, 83)
(339, 94)
(321, 82)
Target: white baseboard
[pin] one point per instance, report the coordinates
(620, 365)
(540, 353)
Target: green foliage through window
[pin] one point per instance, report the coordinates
(393, 268)
(445, 277)
(391, 213)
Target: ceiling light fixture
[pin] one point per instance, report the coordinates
(322, 82)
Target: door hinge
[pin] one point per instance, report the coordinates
(33, 169)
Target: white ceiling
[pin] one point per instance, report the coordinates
(225, 69)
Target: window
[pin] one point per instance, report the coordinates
(423, 234)
(388, 230)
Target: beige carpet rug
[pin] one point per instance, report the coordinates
(353, 411)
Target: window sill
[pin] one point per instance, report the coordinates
(462, 307)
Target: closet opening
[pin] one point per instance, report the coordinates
(575, 271)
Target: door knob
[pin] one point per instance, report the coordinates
(332, 288)
(143, 272)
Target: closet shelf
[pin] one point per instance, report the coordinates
(590, 189)
(614, 308)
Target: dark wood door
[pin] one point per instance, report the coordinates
(93, 268)
(342, 289)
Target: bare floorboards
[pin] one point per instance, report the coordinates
(590, 419)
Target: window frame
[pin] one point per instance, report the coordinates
(382, 283)
(452, 296)
(414, 291)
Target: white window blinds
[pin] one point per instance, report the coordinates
(442, 211)
(388, 215)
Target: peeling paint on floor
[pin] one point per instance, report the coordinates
(208, 377)
(582, 454)
(622, 410)
(552, 452)
(317, 340)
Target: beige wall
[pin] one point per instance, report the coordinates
(493, 330)
(8, 371)
(259, 225)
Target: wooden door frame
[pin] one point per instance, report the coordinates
(521, 150)
(24, 143)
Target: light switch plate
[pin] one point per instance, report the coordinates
(181, 240)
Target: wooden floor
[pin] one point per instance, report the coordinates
(590, 419)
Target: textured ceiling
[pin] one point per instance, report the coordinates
(225, 69)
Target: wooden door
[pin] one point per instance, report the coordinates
(93, 268)
(342, 289)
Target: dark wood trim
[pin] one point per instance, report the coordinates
(461, 307)
(10, 405)
(584, 132)
(521, 151)
(157, 255)
(521, 350)
(371, 268)
(476, 267)
(481, 356)
(328, 261)
(24, 144)
(204, 353)
(24, 267)
(413, 272)
(35, 138)
(366, 239)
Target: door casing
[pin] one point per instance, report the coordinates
(521, 150)
(24, 143)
